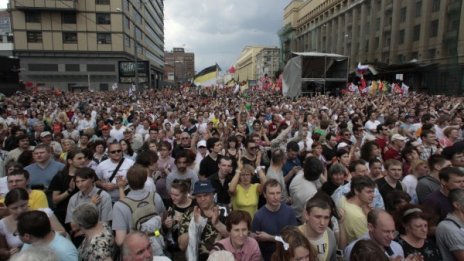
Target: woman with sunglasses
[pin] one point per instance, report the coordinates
(17, 202)
(244, 194)
(179, 203)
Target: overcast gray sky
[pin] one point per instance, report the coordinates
(218, 30)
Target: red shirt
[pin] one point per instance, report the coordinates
(391, 154)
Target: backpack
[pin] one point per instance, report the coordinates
(142, 210)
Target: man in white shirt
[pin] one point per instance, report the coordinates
(106, 168)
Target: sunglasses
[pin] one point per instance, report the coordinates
(115, 151)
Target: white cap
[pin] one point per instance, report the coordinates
(201, 143)
(398, 137)
(342, 145)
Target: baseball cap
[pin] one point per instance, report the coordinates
(342, 145)
(45, 133)
(203, 186)
(201, 143)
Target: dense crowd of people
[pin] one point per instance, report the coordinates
(211, 174)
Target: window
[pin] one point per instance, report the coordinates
(401, 37)
(434, 28)
(403, 15)
(127, 41)
(401, 58)
(34, 37)
(103, 18)
(138, 34)
(126, 22)
(72, 67)
(69, 37)
(68, 18)
(43, 67)
(416, 33)
(432, 53)
(103, 38)
(377, 24)
(414, 55)
(102, 2)
(418, 8)
(32, 17)
(435, 5)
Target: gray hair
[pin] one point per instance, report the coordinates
(86, 215)
(34, 253)
(125, 249)
(456, 195)
(336, 168)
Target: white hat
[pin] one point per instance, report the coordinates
(45, 133)
(342, 145)
(398, 137)
(201, 143)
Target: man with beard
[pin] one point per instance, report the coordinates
(181, 172)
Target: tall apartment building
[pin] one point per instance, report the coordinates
(72, 44)
(179, 66)
(256, 61)
(6, 36)
(428, 33)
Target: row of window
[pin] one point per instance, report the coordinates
(68, 37)
(67, 17)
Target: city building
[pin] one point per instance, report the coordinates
(6, 36)
(256, 61)
(179, 66)
(425, 37)
(72, 45)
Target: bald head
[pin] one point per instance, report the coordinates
(381, 227)
(136, 247)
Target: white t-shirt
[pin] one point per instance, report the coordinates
(105, 170)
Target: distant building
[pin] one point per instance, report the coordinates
(428, 34)
(179, 66)
(256, 61)
(6, 37)
(70, 44)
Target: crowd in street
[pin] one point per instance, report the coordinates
(212, 174)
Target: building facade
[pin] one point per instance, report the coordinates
(428, 33)
(70, 44)
(6, 36)
(267, 62)
(179, 66)
(256, 61)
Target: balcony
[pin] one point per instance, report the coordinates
(48, 5)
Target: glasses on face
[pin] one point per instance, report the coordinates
(184, 138)
(115, 151)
